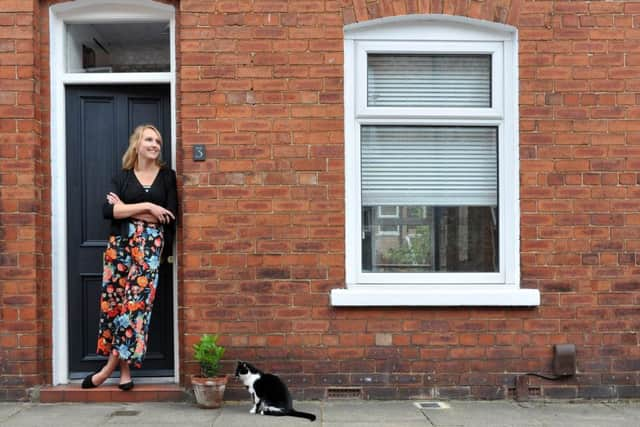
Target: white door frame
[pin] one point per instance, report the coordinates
(87, 11)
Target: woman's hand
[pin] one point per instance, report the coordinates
(161, 214)
(113, 198)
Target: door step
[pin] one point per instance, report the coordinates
(111, 393)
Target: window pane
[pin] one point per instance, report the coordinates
(429, 165)
(425, 239)
(118, 48)
(429, 80)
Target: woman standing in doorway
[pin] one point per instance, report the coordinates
(142, 206)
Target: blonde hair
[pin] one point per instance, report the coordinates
(130, 157)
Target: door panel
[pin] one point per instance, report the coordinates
(99, 122)
(97, 114)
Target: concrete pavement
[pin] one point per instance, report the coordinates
(353, 413)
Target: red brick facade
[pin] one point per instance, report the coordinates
(24, 204)
(262, 236)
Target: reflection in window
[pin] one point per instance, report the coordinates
(118, 48)
(430, 239)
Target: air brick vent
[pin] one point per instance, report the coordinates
(344, 393)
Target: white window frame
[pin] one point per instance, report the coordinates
(436, 34)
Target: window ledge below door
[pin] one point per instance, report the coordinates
(459, 295)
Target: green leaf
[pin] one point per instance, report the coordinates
(208, 354)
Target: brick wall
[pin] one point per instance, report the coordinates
(23, 203)
(579, 187)
(262, 236)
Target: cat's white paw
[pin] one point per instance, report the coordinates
(252, 410)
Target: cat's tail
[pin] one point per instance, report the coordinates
(299, 414)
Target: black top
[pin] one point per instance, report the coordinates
(162, 192)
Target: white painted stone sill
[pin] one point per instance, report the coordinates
(441, 296)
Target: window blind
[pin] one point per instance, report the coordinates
(428, 165)
(429, 80)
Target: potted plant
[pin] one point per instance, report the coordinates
(209, 386)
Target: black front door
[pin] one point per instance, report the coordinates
(99, 122)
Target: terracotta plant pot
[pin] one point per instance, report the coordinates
(209, 391)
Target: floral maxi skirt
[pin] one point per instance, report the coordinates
(129, 283)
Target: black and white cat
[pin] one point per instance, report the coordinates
(269, 393)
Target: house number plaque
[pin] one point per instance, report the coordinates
(199, 153)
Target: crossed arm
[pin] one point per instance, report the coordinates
(145, 211)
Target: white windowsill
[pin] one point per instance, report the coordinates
(462, 295)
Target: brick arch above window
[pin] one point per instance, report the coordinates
(440, 28)
(501, 11)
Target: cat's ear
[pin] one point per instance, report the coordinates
(238, 366)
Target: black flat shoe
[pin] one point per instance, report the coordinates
(87, 383)
(126, 386)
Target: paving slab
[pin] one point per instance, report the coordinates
(497, 414)
(510, 414)
(8, 409)
(237, 415)
(372, 412)
(629, 409)
(422, 423)
(161, 414)
(55, 415)
(583, 414)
